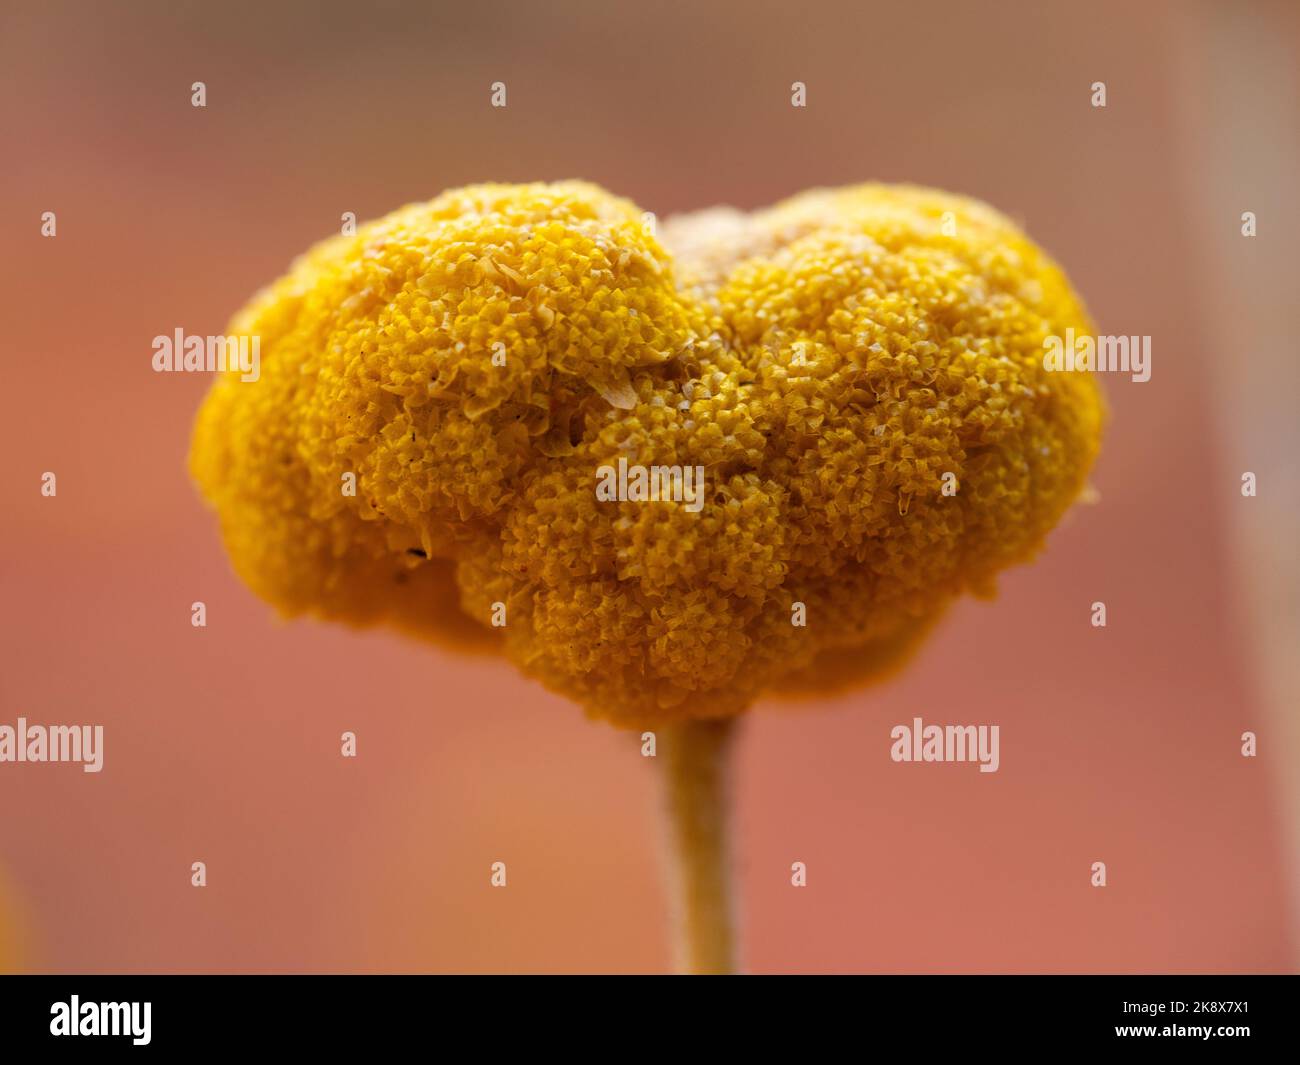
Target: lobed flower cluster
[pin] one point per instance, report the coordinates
(858, 372)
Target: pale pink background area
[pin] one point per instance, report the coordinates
(1119, 745)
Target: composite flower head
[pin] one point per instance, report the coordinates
(857, 373)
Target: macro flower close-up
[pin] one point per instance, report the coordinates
(838, 407)
(857, 374)
(594, 490)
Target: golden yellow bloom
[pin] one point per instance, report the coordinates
(858, 372)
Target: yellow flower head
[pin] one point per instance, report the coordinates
(856, 374)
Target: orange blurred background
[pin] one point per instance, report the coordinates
(1119, 745)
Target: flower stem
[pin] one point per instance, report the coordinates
(695, 763)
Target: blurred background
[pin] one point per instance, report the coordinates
(1120, 745)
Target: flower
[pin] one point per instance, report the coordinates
(857, 371)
